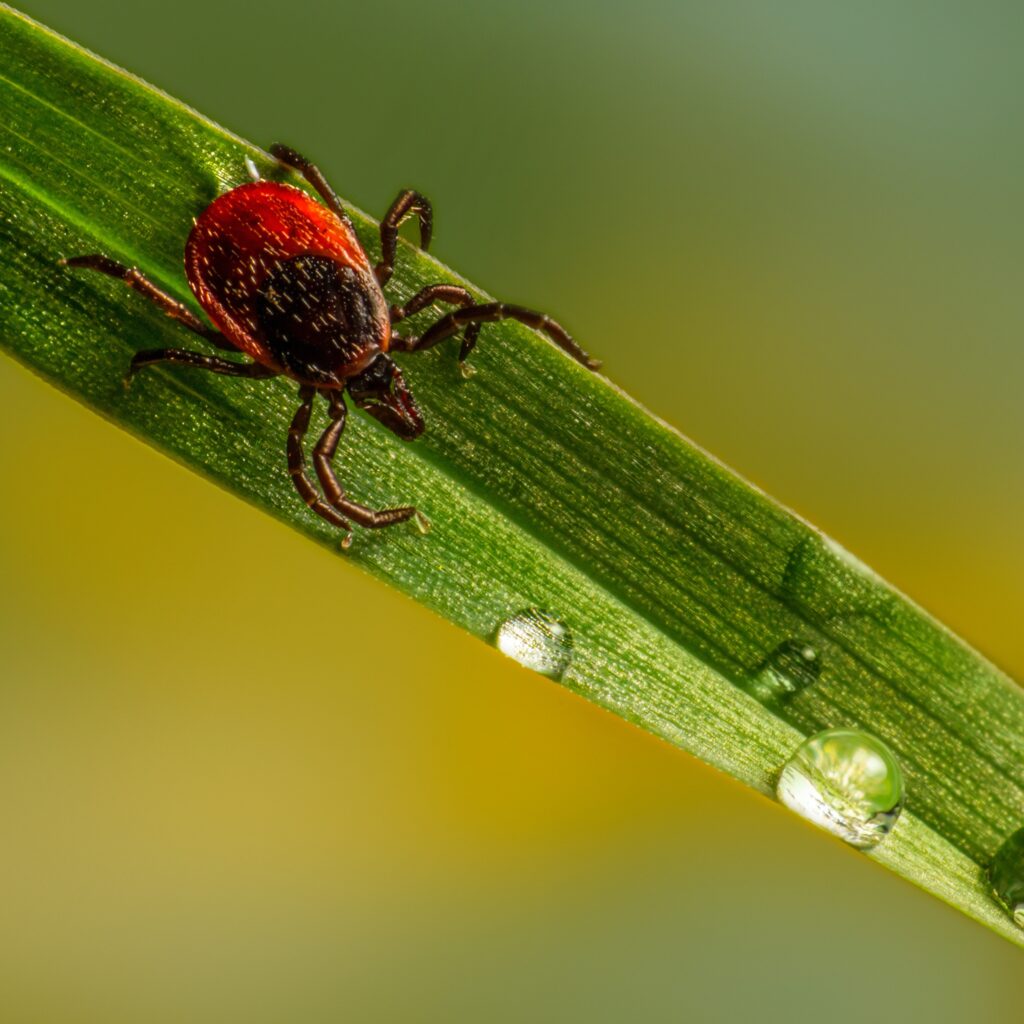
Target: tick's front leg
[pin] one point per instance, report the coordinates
(297, 465)
(471, 317)
(323, 458)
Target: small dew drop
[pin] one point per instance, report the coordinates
(790, 668)
(846, 782)
(1006, 873)
(537, 641)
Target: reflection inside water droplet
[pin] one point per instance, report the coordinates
(790, 668)
(1006, 873)
(537, 641)
(846, 782)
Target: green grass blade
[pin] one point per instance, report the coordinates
(545, 485)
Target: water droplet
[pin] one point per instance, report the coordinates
(790, 668)
(1006, 873)
(847, 782)
(538, 641)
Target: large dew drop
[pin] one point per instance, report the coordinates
(1006, 873)
(537, 641)
(846, 782)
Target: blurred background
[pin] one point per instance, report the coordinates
(794, 231)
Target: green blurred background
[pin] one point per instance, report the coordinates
(791, 229)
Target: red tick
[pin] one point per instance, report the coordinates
(285, 281)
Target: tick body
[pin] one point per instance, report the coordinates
(285, 281)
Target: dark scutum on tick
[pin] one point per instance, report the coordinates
(308, 307)
(285, 281)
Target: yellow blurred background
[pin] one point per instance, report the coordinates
(791, 229)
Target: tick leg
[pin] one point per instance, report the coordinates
(135, 280)
(297, 465)
(180, 357)
(450, 293)
(287, 156)
(472, 316)
(439, 293)
(405, 205)
(323, 456)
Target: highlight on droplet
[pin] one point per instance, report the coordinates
(538, 641)
(847, 782)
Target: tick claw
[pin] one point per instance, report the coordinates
(467, 370)
(422, 523)
(346, 542)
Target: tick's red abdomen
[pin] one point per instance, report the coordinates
(286, 281)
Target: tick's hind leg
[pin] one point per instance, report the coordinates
(297, 466)
(405, 205)
(471, 317)
(138, 282)
(323, 456)
(309, 170)
(181, 357)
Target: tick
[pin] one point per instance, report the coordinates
(285, 281)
